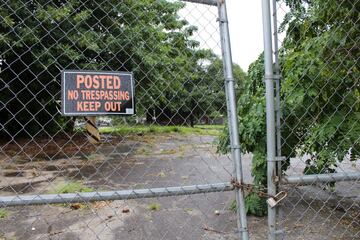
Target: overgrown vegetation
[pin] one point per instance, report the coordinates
(320, 93)
(251, 112)
(254, 205)
(124, 130)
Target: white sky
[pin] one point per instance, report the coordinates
(245, 24)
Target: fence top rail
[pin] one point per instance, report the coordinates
(205, 2)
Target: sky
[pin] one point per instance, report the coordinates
(245, 25)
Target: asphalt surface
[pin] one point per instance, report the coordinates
(159, 161)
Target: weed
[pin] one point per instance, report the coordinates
(168, 151)
(144, 151)
(161, 174)
(152, 129)
(254, 205)
(188, 210)
(154, 207)
(71, 187)
(3, 213)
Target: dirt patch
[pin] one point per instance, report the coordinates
(22, 150)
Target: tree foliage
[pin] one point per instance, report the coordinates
(321, 83)
(320, 91)
(40, 38)
(212, 87)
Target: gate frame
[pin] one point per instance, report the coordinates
(275, 176)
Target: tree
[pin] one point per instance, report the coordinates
(321, 83)
(320, 92)
(207, 93)
(38, 39)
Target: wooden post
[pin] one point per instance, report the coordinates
(92, 130)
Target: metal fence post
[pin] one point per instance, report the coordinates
(232, 118)
(270, 114)
(277, 87)
(277, 97)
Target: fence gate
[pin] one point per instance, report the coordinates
(315, 155)
(159, 70)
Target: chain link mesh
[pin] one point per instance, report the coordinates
(172, 48)
(319, 64)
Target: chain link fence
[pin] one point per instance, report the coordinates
(157, 173)
(152, 161)
(316, 49)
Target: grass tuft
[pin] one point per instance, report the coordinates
(71, 187)
(3, 213)
(154, 207)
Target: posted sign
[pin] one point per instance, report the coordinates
(85, 93)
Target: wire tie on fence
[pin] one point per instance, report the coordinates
(58, 106)
(229, 80)
(277, 159)
(234, 146)
(240, 230)
(272, 77)
(280, 231)
(222, 20)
